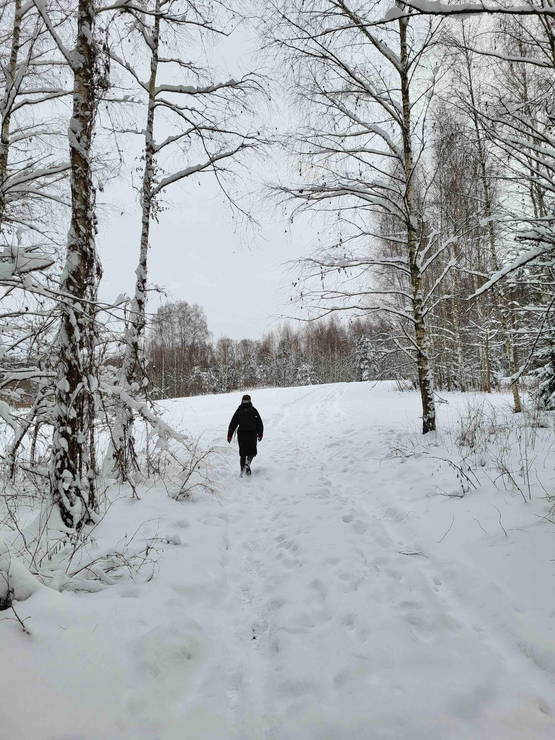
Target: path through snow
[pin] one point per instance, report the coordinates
(335, 595)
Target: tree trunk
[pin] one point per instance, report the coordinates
(421, 338)
(504, 307)
(133, 373)
(72, 475)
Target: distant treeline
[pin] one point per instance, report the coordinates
(183, 360)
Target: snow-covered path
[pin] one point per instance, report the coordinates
(344, 633)
(335, 595)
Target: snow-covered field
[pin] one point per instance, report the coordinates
(347, 591)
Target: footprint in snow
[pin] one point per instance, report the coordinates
(292, 563)
(349, 620)
(251, 546)
(276, 604)
(131, 592)
(354, 674)
(394, 514)
(173, 539)
(421, 627)
(397, 575)
(295, 688)
(360, 527)
(216, 519)
(322, 493)
(286, 544)
(319, 589)
(351, 582)
(164, 650)
(378, 563)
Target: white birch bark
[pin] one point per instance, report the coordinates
(199, 122)
(422, 340)
(504, 307)
(133, 375)
(72, 475)
(363, 146)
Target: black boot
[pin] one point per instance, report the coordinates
(248, 465)
(242, 461)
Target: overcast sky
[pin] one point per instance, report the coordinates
(202, 254)
(200, 251)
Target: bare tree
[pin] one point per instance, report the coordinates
(519, 120)
(33, 181)
(73, 466)
(368, 93)
(206, 133)
(31, 82)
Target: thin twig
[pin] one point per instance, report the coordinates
(403, 552)
(18, 618)
(501, 523)
(480, 525)
(447, 530)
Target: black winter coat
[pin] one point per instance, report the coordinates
(247, 419)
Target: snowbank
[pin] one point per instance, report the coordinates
(15, 581)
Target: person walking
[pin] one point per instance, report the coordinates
(250, 429)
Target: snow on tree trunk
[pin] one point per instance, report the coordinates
(133, 366)
(504, 307)
(421, 337)
(72, 475)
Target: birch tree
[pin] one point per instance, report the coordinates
(368, 95)
(521, 125)
(33, 203)
(469, 100)
(206, 134)
(73, 466)
(522, 131)
(511, 123)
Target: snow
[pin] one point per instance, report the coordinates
(341, 593)
(460, 8)
(20, 260)
(194, 90)
(7, 416)
(524, 259)
(15, 579)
